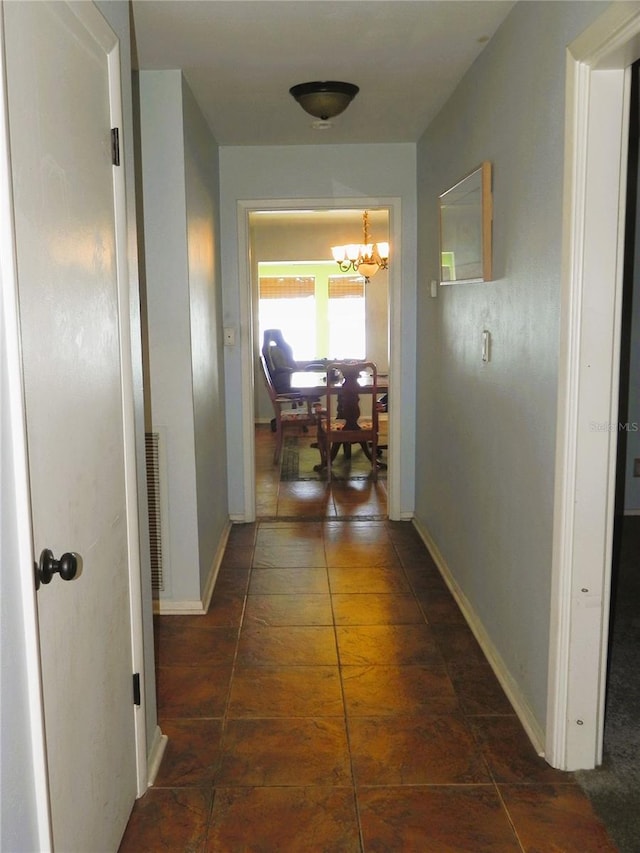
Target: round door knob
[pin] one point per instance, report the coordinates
(46, 568)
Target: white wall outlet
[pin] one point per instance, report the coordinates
(229, 336)
(434, 288)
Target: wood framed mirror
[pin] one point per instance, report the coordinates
(465, 220)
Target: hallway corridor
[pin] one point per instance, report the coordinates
(333, 699)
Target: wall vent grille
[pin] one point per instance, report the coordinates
(154, 495)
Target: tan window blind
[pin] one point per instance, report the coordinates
(287, 287)
(346, 287)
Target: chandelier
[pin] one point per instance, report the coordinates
(365, 258)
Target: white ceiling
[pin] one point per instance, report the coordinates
(240, 58)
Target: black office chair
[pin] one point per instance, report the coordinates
(279, 364)
(279, 360)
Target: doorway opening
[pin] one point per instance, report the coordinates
(323, 313)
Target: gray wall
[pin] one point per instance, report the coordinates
(205, 297)
(486, 447)
(180, 193)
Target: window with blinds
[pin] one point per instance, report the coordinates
(291, 287)
(347, 318)
(289, 303)
(319, 317)
(346, 287)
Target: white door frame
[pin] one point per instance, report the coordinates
(394, 206)
(129, 432)
(596, 143)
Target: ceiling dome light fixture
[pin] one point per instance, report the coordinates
(324, 100)
(364, 258)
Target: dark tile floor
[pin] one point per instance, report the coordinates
(333, 699)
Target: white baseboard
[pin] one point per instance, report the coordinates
(196, 607)
(215, 566)
(508, 684)
(178, 607)
(154, 759)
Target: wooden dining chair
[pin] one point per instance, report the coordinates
(300, 418)
(341, 423)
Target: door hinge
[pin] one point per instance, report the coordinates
(115, 146)
(136, 688)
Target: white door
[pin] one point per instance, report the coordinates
(61, 85)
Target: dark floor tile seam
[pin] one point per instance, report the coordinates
(483, 716)
(234, 667)
(280, 786)
(279, 718)
(209, 786)
(288, 666)
(209, 825)
(453, 785)
(347, 729)
(480, 751)
(532, 783)
(356, 806)
(290, 594)
(316, 518)
(188, 718)
(509, 818)
(426, 619)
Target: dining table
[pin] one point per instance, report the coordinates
(312, 384)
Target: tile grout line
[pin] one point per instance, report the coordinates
(347, 727)
(225, 715)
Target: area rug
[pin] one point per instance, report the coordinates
(299, 458)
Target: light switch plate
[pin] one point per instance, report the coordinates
(486, 346)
